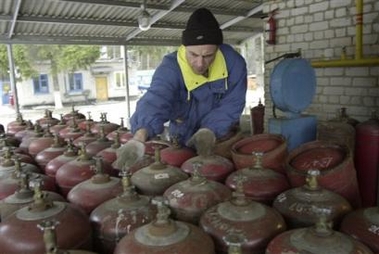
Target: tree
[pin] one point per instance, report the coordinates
(62, 58)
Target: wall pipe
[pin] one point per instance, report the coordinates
(358, 59)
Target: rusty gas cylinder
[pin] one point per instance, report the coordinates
(13, 152)
(260, 184)
(99, 144)
(296, 204)
(57, 148)
(257, 222)
(70, 154)
(274, 147)
(39, 144)
(59, 126)
(104, 124)
(110, 154)
(190, 198)
(214, 167)
(335, 163)
(320, 238)
(175, 155)
(72, 131)
(29, 128)
(17, 125)
(87, 137)
(156, 178)
(257, 118)
(366, 158)
(9, 183)
(77, 171)
(29, 137)
(93, 192)
(124, 134)
(74, 114)
(23, 196)
(47, 120)
(234, 242)
(164, 235)
(363, 225)
(21, 227)
(88, 122)
(342, 116)
(8, 165)
(8, 140)
(117, 217)
(50, 239)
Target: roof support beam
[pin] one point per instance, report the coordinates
(14, 19)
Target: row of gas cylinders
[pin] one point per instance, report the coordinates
(249, 219)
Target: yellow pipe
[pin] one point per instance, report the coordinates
(358, 59)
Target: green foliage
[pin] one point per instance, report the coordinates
(21, 61)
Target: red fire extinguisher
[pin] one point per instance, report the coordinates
(271, 28)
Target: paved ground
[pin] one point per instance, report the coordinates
(114, 109)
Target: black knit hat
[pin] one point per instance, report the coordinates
(202, 28)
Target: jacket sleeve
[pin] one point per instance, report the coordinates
(155, 106)
(227, 114)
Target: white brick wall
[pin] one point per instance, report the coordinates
(321, 28)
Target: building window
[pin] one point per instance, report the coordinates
(41, 84)
(120, 79)
(75, 82)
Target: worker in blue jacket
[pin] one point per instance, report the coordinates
(199, 88)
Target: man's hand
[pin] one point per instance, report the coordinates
(128, 154)
(204, 141)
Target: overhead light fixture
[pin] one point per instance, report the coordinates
(144, 18)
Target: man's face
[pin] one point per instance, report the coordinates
(200, 57)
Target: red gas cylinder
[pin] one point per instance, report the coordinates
(175, 155)
(72, 131)
(86, 138)
(29, 128)
(367, 160)
(48, 120)
(110, 154)
(164, 235)
(21, 227)
(190, 198)
(59, 126)
(257, 118)
(46, 155)
(74, 114)
(117, 217)
(257, 222)
(342, 116)
(12, 152)
(18, 125)
(76, 171)
(214, 167)
(124, 133)
(154, 179)
(23, 196)
(335, 164)
(39, 144)
(87, 122)
(29, 137)
(9, 183)
(8, 140)
(273, 147)
(50, 239)
(104, 124)
(297, 205)
(91, 193)
(260, 184)
(99, 144)
(320, 238)
(9, 164)
(70, 154)
(363, 225)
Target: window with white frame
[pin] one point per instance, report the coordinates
(119, 79)
(41, 84)
(75, 82)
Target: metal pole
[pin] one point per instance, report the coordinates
(12, 78)
(127, 98)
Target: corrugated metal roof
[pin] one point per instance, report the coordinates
(114, 22)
